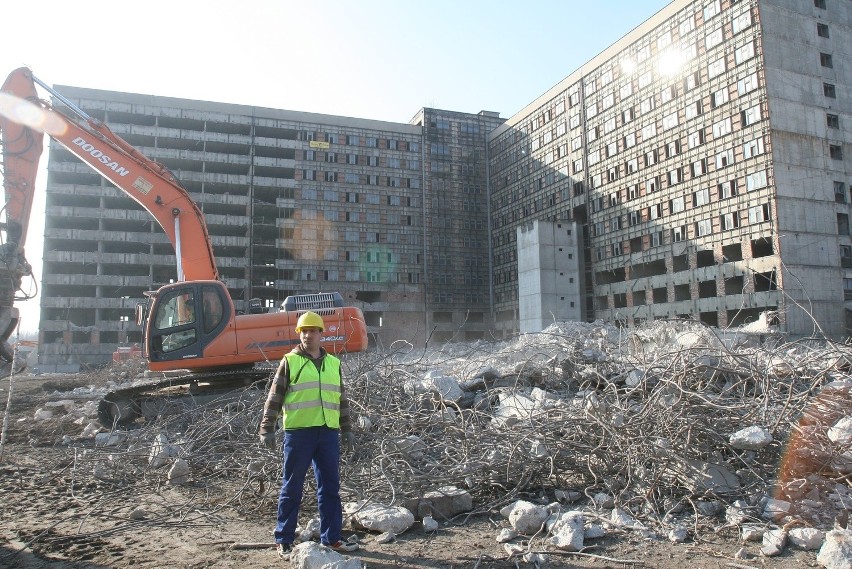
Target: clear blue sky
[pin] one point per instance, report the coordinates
(376, 59)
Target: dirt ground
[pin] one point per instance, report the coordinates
(52, 516)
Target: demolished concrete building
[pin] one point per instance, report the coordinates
(695, 169)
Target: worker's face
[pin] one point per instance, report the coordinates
(311, 337)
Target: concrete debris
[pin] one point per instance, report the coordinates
(161, 451)
(444, 387)
(567, 532)
(595, 531)
(506, 535)
(776, 509)
(429, 524)
(603, 501)
(752, 532)
(179, 472)
(386, 537)
(620, 518)
(445, 502)
(380, 518)
(841, 432)
(525, 517)
(311, 531)
(599, 417)
(836, 552)
(678, 534)
(736, 513)
(311, 555)
(806, 538)
(774, 542)
(751, 438)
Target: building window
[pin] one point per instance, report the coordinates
(832, 121)
(829, 90)
(825, 60)
(753, 148)
(692, 81)
(633, 192)
(701, 197)
(611, 149)
(678, 234)
(756, 180)
(716, 68)
(819, 4)
(616, 250)
(647, 105)
(744, 53)
(822, 30)
(842, 224)
(627, 115)
(667, 94)
(693, 110)
(835, 151)
(847, 289)
(672, 148)
(632, 165)
(634, 218)
(703, 227)
(655, 211)
(711, 9)
(741, 22)
(721, 128)
(652, 185)
(656, 238)
(670, 121)
(719, 97)
(758, 213)
(651, 158)
(714, 38)
(615, 223)
(677, 205)
(839, 192)
(727, 189)
(630, 140)
(729, 221)
(698, 168)
(724, 159)
(747, 84)
(750, 116)
(696, 139)
(846, 263)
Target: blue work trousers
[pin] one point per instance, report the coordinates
(320, 447)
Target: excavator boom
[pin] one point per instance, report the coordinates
(189, 324)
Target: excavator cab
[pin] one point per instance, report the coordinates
(182, 319)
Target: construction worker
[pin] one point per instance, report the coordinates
(308, 391)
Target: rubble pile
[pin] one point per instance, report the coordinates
(672, 429)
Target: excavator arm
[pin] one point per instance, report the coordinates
(148, 182)
(191, 324)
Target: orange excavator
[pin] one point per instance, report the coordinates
(190, 324)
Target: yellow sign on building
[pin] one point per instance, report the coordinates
(318, 144)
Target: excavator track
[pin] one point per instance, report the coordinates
(125, 406)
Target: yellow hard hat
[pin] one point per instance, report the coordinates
(310, 320)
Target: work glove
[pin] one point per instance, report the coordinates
(348, 440)
(269, 441)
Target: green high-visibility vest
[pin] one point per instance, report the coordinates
(313, 397)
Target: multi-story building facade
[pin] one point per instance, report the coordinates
(699, 167)
(294, 202)
(706, 155)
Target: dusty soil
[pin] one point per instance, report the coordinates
(53, 515)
